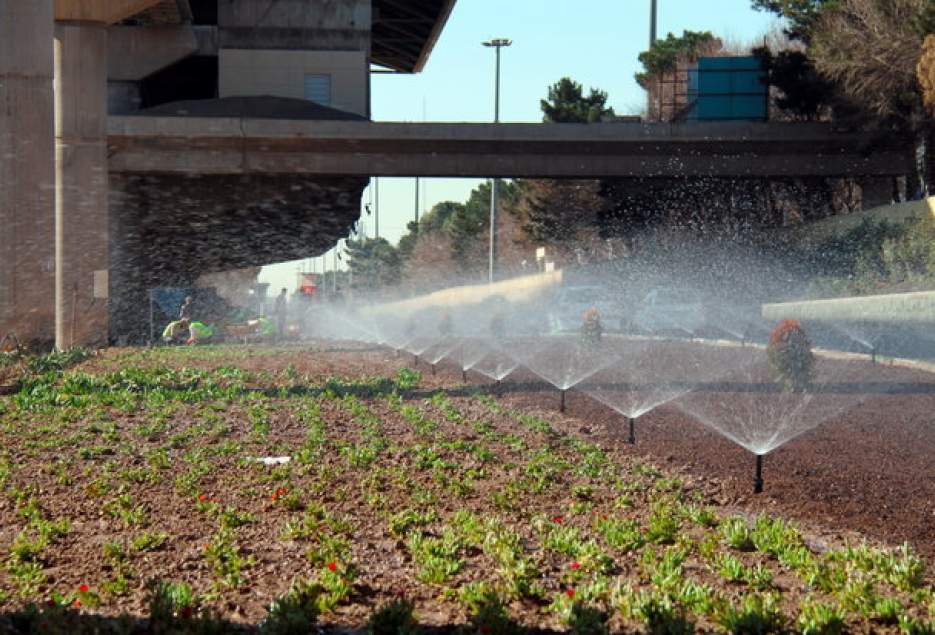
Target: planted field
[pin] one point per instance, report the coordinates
(136, 498)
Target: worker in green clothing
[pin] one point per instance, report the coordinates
(198, 332)
(175, 331)
(265, 327)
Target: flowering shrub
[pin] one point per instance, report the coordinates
(790, 356)
(591, 328)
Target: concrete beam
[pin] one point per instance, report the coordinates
(902, 308)
(234, 146)
(136, 52)
(26, 170)
(103, 11)
(81, 185)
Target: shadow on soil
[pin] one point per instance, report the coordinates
(70, 622)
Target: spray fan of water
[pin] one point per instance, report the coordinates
(746, 405)
(646, 374)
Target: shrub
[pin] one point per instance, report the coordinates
(295, 612)
(591, 328)
(816, 618)
(790, 357)
(394, 618)
(755, 614)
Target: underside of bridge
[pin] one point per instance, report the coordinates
(166, 230)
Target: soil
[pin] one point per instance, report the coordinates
(869, 472)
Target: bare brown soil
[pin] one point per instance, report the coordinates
(869, 472)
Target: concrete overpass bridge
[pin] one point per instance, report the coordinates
(98, 206)
(192, 145)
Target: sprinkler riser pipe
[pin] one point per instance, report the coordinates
(632, 439)
(561, 407)
(463, 376)
(758, 476)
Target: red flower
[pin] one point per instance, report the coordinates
(332, 566)
(76, 603)
(558, 519)
(570, 592)
(84, 588)
(202, 497)
(575, 566)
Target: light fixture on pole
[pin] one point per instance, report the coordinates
(498, 44)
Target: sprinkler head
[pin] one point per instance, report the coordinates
(463, 376)
(433, 369)
(632, 439)
(873, 354)
(561, 407)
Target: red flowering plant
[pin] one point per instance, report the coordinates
(790, 357)
(591, 327)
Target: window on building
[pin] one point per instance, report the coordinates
(318, 89)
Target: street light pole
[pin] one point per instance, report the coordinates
(494, 182)
(653, 20)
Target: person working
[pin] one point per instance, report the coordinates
(185, 312)
(199, 332)
(175, 331)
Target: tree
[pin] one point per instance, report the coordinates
(871, 50)
(566, 103)
(926, 72)
(374, 262)
(805, 93)
(558, 211)
(664, 55)
(800, 14)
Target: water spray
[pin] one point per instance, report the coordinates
(632, 439)
(758, 476)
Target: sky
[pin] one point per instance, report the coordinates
(595, 42)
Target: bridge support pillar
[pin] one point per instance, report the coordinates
(26, 170)
(876, 191)
(81, 184)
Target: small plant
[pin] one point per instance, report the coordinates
(407, 379)
(663, 525)
(295, 612)
(171, 605)
(737, 534)
(393, 618)
(657, 611)
(816, 618)
(790, 357)
(755, 614)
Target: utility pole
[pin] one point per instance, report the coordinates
(653, 21)
(494, 182)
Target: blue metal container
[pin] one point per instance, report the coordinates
(728, 88)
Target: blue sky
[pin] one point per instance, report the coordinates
(595, 42)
